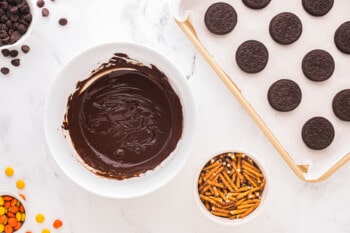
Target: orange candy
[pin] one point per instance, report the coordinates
(57, 224)
(8, 229)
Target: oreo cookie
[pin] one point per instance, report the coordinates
(318, 65)
(220, 18)
(342, 37)
(256, 4)
(285, 28)
(252, 56)
(341, 105)
(318, 7)
(318, 133)
(284, 95)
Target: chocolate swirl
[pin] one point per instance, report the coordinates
(125, 119)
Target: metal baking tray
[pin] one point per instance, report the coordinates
(283, 130)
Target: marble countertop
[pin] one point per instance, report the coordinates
(293, 205)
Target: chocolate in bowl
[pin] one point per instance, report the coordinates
(61, 146)
(125, 119)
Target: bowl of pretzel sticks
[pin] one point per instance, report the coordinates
(231, 187)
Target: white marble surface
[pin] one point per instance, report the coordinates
(293, 206)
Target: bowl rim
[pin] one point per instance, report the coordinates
(190, 132)
(224, 221)
(29, 29)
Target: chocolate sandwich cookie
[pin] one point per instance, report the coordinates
(318, 65)
(284, 95)
(252, 56)
(341, 105)
(256, 4)
(318, 133)
(342, 37)
(318, 7)
(285, 28)
(220, 18)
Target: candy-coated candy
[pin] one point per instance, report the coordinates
(2, 210)
(20, 184)
(40, 218)
(19, 216)
(9, 171)
(57, 224)
(2, 227)
(45, 230)
(2, 200)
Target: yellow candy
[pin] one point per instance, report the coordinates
(20, 184)
(45, 230)
(9, 171)
(23, 217)
(18, 216)
(2, 228)
(1, 200)
(2, 211)
(40, 218)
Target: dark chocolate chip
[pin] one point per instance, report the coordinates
(4, 5)
(40, 3)
(45, 12)
(14, 10)
(318, 65)
(28, 18)
(22, 29)
(13, 53)
(220, 18)
(63, 21)
(284, 95)
(342, 37)
(16, 62)
(5, 52)
(15, 37)
(318, 7)
(256, 4)
(25, 48)
(252, 56)
(285, 28)
(341, 105)
(3, 34)
(318, 133)
(5, 70)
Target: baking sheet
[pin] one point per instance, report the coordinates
(284, 62)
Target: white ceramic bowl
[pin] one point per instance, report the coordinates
(60, 144)
(19, 198)
(225, 221)
(29, 30)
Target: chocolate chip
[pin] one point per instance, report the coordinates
(40, 3)
(25, 48)
(5, 52)
(62, 21)
(13, 53)
(16, 62)
(14, 10)
(5, 70)
(45, 12)
(15, 37)
(3, 34)
(4, 5)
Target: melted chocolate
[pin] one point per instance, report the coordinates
(125, 119)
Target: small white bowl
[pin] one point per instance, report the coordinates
(24, 37)
(226, 221)
(19, 198)
(60, 144)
